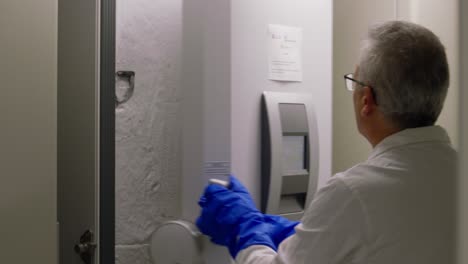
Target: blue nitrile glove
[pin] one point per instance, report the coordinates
(281, 227)
(230, 218)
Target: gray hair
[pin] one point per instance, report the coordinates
(406, 66)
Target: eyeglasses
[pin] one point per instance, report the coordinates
(349, 81)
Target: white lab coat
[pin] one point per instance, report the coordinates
(396, 207)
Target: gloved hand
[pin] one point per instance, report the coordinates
(281, 227)
(230, 218)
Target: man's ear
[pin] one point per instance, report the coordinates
(367, 101)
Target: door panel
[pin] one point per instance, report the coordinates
(78, 73)
(28, 37)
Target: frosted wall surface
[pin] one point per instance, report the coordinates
(147, 126)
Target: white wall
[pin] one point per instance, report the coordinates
(351, 21)
(442, 18)
(249, 62)
(206, 94)
(224, 75)
(28, 117)
(205, 102)
(148, 126)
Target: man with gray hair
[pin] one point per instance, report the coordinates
(395, 207)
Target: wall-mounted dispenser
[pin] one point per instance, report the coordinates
(290, 153)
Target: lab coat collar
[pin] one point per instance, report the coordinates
(410, 136)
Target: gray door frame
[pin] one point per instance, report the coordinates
(107, 133)
(86, 129)
(463, 180)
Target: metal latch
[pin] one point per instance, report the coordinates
(86, 247)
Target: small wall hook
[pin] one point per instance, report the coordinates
(125, 86)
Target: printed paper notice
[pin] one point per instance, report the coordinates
(285, 53)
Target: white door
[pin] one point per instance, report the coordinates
(28, 137)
